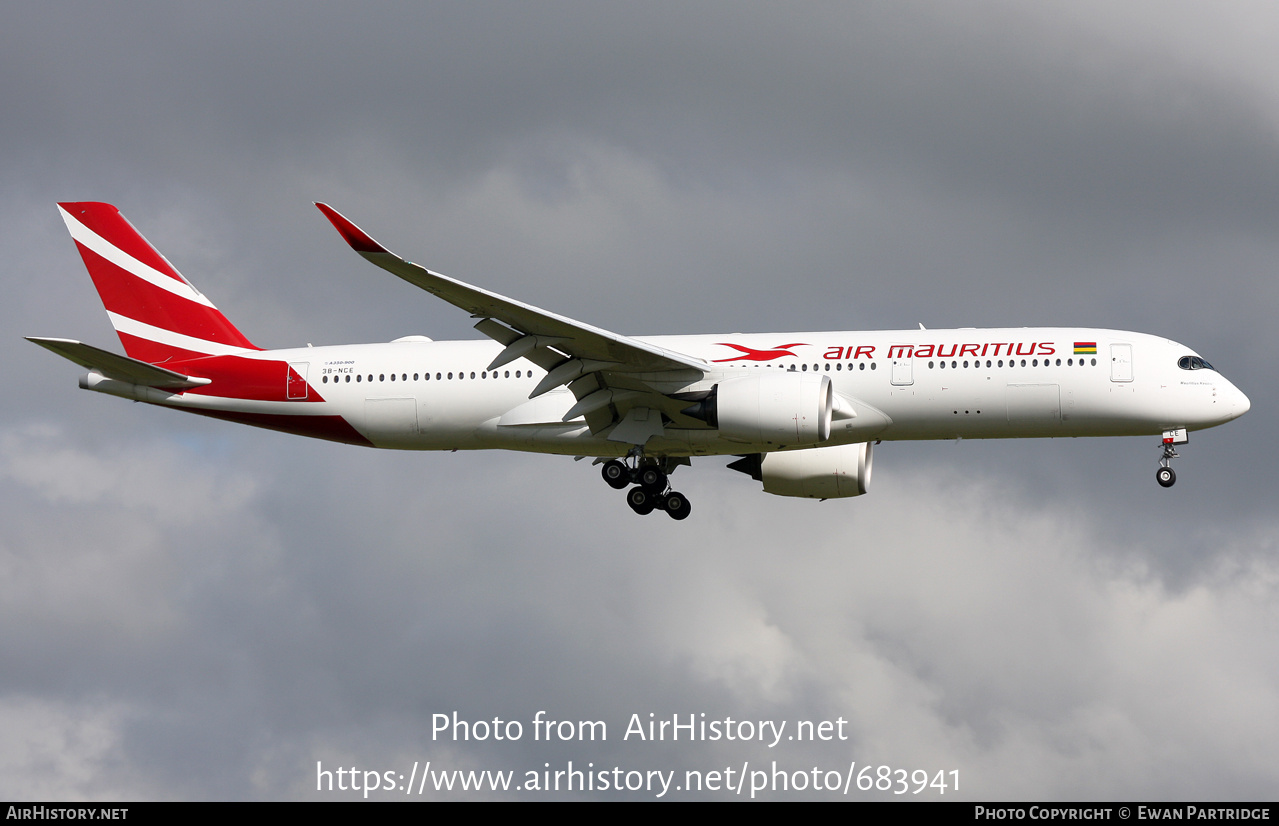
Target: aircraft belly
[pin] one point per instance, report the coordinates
(390, 421)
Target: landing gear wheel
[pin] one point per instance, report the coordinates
(1165, 475)
(641, 501)
(651, 478)
(676, 504)
(616, 474)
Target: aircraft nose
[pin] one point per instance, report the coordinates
(1236, 402)
(1242, 405)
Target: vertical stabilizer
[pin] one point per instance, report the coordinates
(157, 313)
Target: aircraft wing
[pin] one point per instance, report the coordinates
(568, 350)
(114, 366)
(570, 337)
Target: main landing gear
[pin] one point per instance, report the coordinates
(652, 489)
(1165, 475)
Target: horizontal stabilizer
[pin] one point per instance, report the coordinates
(114, 366)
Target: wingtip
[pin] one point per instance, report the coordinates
(358, 239)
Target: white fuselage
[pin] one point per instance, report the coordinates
(418, 394)
(802, 411)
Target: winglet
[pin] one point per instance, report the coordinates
(359, 240)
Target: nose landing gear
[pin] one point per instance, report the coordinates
(652, 489)
(1165, 475)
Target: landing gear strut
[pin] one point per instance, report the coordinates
(1165, 475)
(652, 489)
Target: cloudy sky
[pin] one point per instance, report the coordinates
(194, 610)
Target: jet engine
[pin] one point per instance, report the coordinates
(829, 472)
(781, 409)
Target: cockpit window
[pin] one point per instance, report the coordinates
(1193, 363)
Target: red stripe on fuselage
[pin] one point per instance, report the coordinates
(236, 377)
(331, 428)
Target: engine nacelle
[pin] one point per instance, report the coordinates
(830, 472)
(776, 409)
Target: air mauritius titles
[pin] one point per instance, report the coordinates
(993, 349)
(945, 351)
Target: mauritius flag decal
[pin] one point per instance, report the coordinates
(1085, 348)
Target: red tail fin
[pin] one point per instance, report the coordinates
(157, 313)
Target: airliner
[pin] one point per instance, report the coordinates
(801, 412)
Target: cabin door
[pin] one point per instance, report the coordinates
(295, 384)
(1121, 362)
